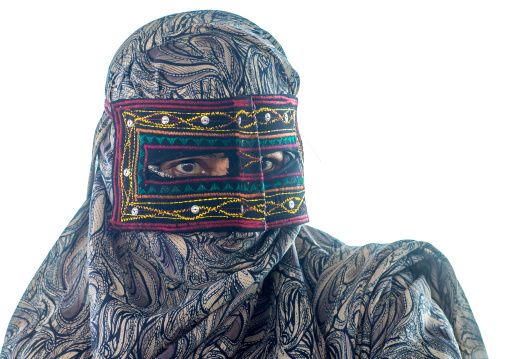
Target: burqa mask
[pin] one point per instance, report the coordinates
(161, 116)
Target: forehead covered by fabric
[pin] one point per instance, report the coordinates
(244, 130)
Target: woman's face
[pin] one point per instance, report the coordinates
(217, 164)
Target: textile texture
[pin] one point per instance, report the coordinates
(244, 129)
(287, 292)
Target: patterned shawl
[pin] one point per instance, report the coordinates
(291, 292)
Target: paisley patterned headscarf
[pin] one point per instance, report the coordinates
(288, 292)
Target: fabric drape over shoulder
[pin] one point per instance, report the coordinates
(287, 292)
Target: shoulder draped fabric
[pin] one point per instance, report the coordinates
(286, 292)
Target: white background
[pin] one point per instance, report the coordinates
(403, 113)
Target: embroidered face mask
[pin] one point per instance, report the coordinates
(190, 165)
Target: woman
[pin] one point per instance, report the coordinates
(192, 241)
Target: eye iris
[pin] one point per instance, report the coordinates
(266, 165)
(187, 166)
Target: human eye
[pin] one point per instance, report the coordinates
(288, 156)
(214, 164)
(182, 168)
(274, 161)
(268, 165)
(188, 167)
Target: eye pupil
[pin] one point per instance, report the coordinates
(187, 166)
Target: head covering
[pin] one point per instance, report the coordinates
(284, 292)
(204, 82)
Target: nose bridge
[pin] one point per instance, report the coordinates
(220, 167)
